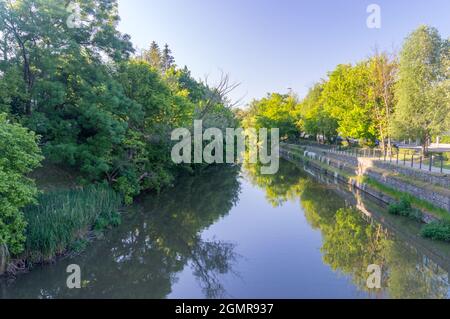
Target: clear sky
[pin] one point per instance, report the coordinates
(273, 45)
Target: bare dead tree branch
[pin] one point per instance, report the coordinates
(219, 93)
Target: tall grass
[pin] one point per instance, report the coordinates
(62, 217)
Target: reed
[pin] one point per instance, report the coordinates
(64, 217)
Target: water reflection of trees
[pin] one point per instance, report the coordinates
(160, 237)
(350, 242)
(279, 187)
(209, 260)
(179, 216)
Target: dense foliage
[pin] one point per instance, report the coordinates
(19, 155)
(107, 113)
(405, 208)
(99, 109)
(423, 87)
(275, 110)
(437, 231)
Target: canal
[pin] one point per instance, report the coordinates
(233, 233)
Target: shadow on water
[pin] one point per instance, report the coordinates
(161, 236)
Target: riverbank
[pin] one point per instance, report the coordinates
(389, 186)
(376, 210)
(203, 238)
(65, 218)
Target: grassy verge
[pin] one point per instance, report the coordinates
(416, 202)
(62, 220)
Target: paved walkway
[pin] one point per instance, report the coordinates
(425, 166)
(435, 148)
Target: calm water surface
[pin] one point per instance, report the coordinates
(234, 233)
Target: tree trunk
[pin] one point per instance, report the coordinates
(5, 51)
(425, 145)
(389, 145)
(382, 138)
(4, 258)
(27, 74)
(386, 104)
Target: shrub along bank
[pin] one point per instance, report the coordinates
(437, 230)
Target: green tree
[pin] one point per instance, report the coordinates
(83, 116)
(154, 57)
(19, 155)
(422, 90)
(68, 92)
(274, 111)
(195, 90)
(314, 119)
(446, 81)
(33, 43)
(383, 79)
(167, 59)
(346, 97)
(145, 161)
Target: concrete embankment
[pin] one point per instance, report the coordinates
(356, 170)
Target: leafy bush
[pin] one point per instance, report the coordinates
(404, 208)
(64, 217)
(437, 231)
(19, 155)
(401, 208)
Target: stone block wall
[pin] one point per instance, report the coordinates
(438, 196)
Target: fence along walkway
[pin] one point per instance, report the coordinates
(434, 164)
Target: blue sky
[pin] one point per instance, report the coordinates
(270, 46)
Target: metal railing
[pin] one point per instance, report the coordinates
(432, 163)
(397, 156)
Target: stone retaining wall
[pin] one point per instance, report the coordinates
(435, 197)
(438, 179)
(442, 180)
(368, 167)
